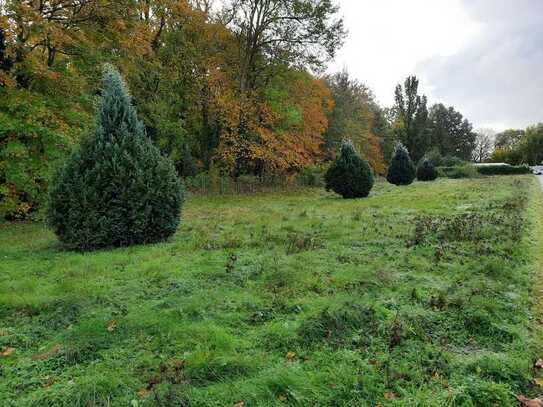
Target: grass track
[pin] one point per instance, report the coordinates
(416, 296)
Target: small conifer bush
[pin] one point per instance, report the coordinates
(426, 170)
(116, 189)
(349, 175)
(401, 170)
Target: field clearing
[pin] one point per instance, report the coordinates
(415, 296)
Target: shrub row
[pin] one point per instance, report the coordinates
(504, 169)
(472, 171)
(458, 171)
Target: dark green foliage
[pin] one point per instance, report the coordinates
(503, 169)
(117, 189)
(349, 175)
(450, 132)
(311, 176)
(435, 157)
(426, 170)
(401, 170)
(35, 134)
(451, 161)
(412, 113)
(458, 171)
(187, 166)
(6, 62)
(471, 171)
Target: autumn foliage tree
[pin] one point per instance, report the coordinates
(235, 89)
(355, 115)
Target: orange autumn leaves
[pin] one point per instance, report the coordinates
(182, 66)
(282, 132)
(293, 145)
(285, 130)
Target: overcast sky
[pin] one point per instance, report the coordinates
(485, 57)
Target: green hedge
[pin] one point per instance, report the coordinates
(458, 171)
(471, 171)
(504, 169)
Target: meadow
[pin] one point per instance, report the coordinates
(425, 295)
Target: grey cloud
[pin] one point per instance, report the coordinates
(498, 77)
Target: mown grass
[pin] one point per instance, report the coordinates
(415, 296)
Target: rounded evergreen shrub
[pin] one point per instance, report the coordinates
(349, 175)
(401, 170)
(426, 170)
(116, 189)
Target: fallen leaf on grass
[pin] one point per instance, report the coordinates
(373, 362)
(281, 397)
(390, 396)
(538, 381)
(179, 363)
(47, 355)
(239, 404)
(142, 392)
(290, 356)
(49, 381)
(7, 352)
(111, 325)
(526, 402)
(539, 363)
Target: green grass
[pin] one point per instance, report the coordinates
(415, 296)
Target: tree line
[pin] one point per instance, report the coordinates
(519, 146)
(236, 86)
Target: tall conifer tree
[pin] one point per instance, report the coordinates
(116, 189)
(401, 170)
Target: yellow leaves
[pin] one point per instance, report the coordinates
(6, 80)
(55, 350)
(142, 392)
(389, 396)
(7, 352)
(111, 325)
(290, 356)
(538, 381)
